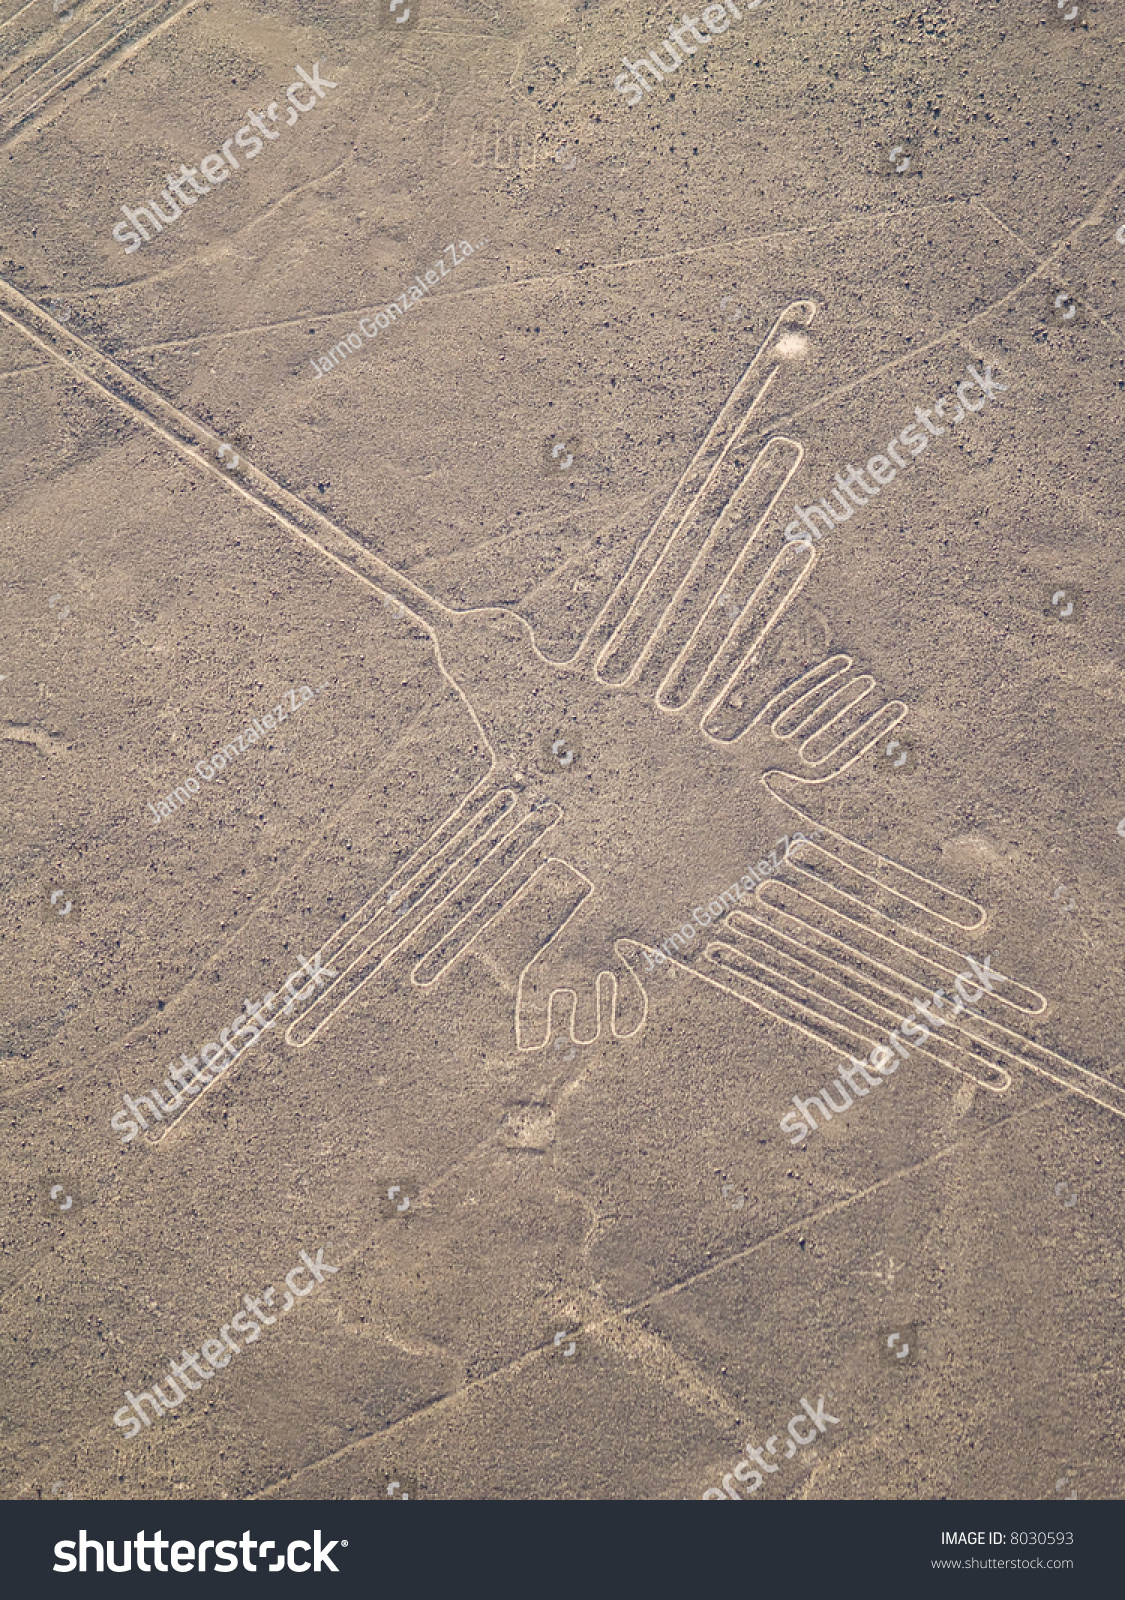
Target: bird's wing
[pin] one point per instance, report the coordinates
(844, 943)
(700, 593)
(428, 913)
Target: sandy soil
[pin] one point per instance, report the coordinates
(568, 682)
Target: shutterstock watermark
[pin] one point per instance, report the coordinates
(715, 18)
(745, 1471)
(217, 168)
(885, 1060)
(234, 1040)
(880, 468)
(214, 1354)
(186, 1556)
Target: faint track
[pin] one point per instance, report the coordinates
(616, 1319)
(796, 959)
(37, 77)
(200, 446)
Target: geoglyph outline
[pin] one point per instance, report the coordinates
(427, 613)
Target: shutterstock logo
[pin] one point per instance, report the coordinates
(188, 1557)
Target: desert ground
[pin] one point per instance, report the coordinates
(443, 720)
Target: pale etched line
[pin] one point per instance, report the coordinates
(117, 1050)
(430, 1408)
(870, 732)
(694, 541)
(892, 871)
(854, 974)
(451, 563)
(207, 256)
(834, 1208)
(93, 20)
(924, 952)
(175, 1122)
(377, 955)
(883, 934)
(165, 1136)
(875, 928)
(701, 569)
(736, 245)
(860, 740)
(658, 1358)
(1088, 222)
(565, 998)
(957, 329)
(110, 56)
(456, 1163)
(906, 888)
(486, 911)
(192, 439)
(1000, 223)
(701, 656)
(1048, 1063)
(753, 946)
(267, 212)
(846, 716)
(760, 952)
(482, 811)
(818, 914)
(786, 1017)
(886, 716)
(796, 701)
(487, 875)
(603, 1325)
(818, 724)
(778, 1002)
(1104, 321)
(115, 40)
(690, 491)
(622, 529)
(789, 554)
(857, 1025)
(634, 261)
(1025, 1052)
(686, 497)
(701, 456)
(500, 287)
(442, 863)
(860, 962)
(544, 947)
(16, 15)
(954, 332)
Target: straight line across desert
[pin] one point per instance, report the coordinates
(672, 463)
